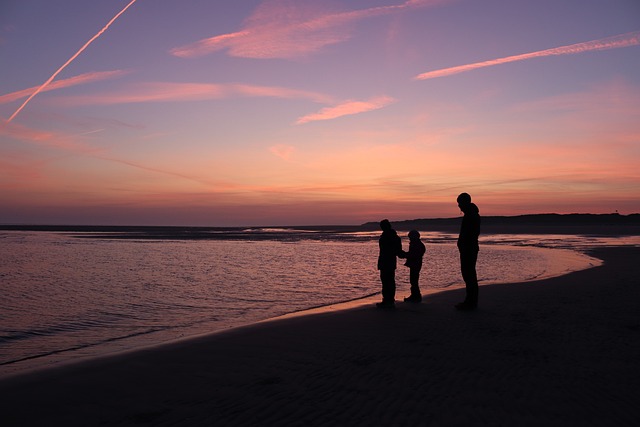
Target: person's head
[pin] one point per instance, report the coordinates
(413, 235)
(464, 200)
(385, 225)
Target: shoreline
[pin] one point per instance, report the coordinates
(427, 291)
(558, 351)
(568, 264)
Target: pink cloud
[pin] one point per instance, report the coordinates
(75, 144)
(45, 138)
(605, 113)
(150, 92)
(177, 92)
(290, 28)
(59, 84)
(279, 92)
(347, 108)
(283, 151)
(616, 98)
(166, 172)
(615, 42)
(18, 171)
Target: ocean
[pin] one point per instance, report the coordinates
(68, 296)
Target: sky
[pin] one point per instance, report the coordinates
(306, 112)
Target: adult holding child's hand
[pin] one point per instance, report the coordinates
(469, 248)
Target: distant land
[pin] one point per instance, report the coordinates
(589, 224)
(599, 224)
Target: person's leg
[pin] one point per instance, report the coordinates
(388, 279)
(468, 261)
(414, 280)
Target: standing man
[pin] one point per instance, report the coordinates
(390, 247)
(468, 247)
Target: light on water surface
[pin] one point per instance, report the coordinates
(65, 297)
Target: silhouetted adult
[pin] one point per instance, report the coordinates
(390, 247)
(468, 247)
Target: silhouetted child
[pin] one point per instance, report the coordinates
(414, 262)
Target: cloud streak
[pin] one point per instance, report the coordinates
(72, 81)
(151, 92)
(614, 42)
(45, 138)
(346, 109)
(69, 61)
(180, 92)
(283, 151)
(288, 29)
(74, 144)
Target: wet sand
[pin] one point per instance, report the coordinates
(561, 351)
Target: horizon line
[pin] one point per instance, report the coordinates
(617, 214)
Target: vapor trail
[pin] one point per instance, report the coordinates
(50, 79)
(614, 42)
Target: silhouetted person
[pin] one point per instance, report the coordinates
(390, 247)
(468, 247)
(414, 262)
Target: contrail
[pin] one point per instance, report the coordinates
(614, 42)
(50, 79)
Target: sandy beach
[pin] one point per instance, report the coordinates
(562, 351)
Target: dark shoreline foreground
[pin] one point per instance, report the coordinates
(557, 352)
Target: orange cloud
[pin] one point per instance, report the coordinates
(72, 81)
(615, 42)
(347, 108)
(288, 29)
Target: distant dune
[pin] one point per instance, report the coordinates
(604, 224)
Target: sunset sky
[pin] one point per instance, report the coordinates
(308, 112)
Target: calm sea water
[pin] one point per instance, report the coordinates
(64, 298)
